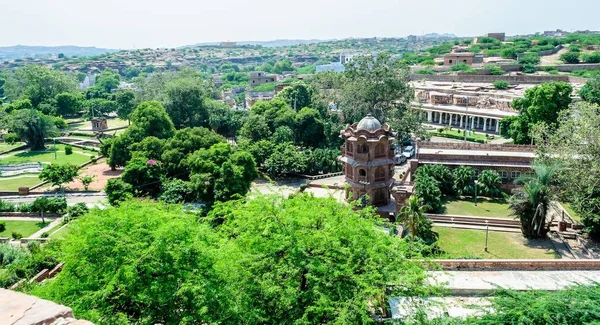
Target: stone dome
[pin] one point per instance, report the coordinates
(368, 123)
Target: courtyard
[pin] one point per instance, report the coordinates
(486, 207)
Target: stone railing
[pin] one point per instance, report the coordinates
(516, 265)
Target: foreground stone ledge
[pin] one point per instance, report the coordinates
(20, 309)
(518, 265)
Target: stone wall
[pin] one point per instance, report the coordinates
(518, 265)
(476, 146)
(523, 79)
(574, 67)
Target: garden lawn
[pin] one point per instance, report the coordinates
(25, 228)
(60, 233)
(469, 243)
(574, 215)
(5, 146)
(491, 208)
(47, 156)
(13, 183)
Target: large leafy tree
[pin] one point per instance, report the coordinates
(144, 175)
(38, 84)
(298, 262)
(125, 104)
(297, 95)
(160, 268)
(309, 127)
(185, 103)
(182, 144)
(427, 189)
(68, 103)
(440, 173)
(531, 202)
(540, 105)
(31, 126)
(575, 146)
(151, 119)
(285, 159)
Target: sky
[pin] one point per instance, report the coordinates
(127, 24)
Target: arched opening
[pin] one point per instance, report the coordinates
(379, 174)
(349, 149)
(349, 171)
(362, 175)
(363, 148)
(379, 197)
(380, 150)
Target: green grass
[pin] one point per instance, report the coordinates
(47, 156)
(469, 243)
(574, 215)
(5, 147)
(453, 134)
(13, 183)
(491, 208)
(112, 123)
(25, 228)
(61, 233)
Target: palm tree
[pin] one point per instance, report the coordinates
(419, 225)
(489, 183)
(532, 202)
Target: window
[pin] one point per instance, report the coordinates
(362, 173)
(363, 148)
(380, 150)
(504, 174)
(450, 61)
(464, 61)
(379, 174)
(515, 175)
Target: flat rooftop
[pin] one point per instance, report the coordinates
(475, 111)
(483, 153)
(477, 88)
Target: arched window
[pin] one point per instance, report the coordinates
(380, 150)
(349, 148)
(380, 174)
(363, 148)
(349, 171)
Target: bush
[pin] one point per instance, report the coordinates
(16, 235)
(570, 57)
(529, 59)
(11, 138)
(2, 226)
(77, 210)
(501, 84)
(591, 58)
(495, 70)
(45, 235)
(68, 150)
(425, 71)
(461, 67)
(529, 68)
(7, 206)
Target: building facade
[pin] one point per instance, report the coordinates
(259, 78)
(368, 158)
(451, 59)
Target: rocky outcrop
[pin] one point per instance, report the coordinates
(20, 309)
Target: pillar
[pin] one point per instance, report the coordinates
(497, 126)
(472, 123)
(429, 116)
(461, 119)
(450, 119)
(485, 124)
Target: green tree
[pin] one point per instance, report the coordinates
(151, 119)
(489, 183)
(68, 103)
(463, 180)
(541, 104)
(97, 107)
(176, 191)
(38, 84)
(255, 128)
(283, 66)
(298, 95)
(117, 191)
(125, 104)
(182, 144)
(58, 174)
(427, 189)
(440, 173)
(532, 202)
(185, 103)
(286, 159)
(296, 264)
(310, 129)
(108, 80)
(529, 59)
(144, 175)
(283, 134)
(160, 268)
(413, 216)
(32, 127)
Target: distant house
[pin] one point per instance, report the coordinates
(499, 36)
(254, 96)
(99, 123)
(259, 78)
(451, 59)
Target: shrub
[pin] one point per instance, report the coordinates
(77, 210)
(529, 59)
(591, 58)
(68, 150)
(16, 235)
(45, 235)
(6, 206)
(529, 68)
(2, 226)
(426, 71)
(11, 138)
(461, 67)
(501, 84)
(570, 57)
(495, 70)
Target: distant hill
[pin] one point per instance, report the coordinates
(436, 35)
(22, 51)
(274, 43)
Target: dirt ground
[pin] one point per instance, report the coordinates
(102, 172)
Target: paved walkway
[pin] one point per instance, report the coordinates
(485, 282)
(47, 229)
